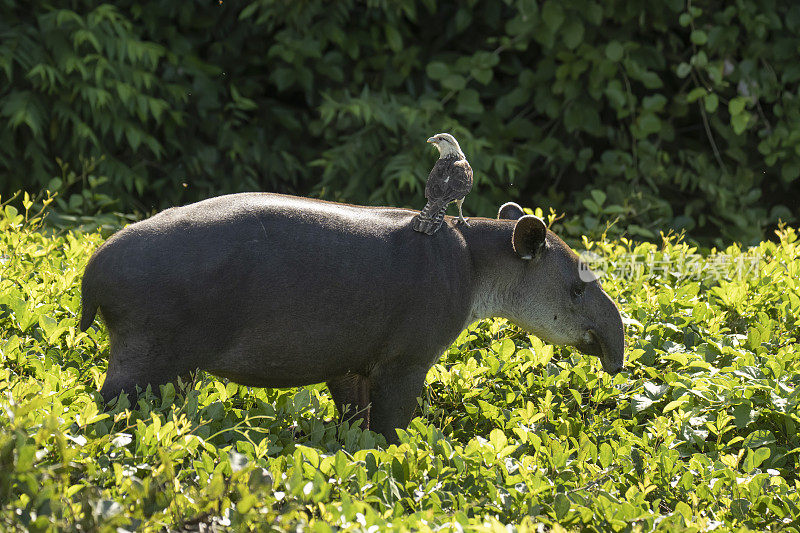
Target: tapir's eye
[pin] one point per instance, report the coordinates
(577, 289)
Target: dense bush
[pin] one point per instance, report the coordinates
(702, 433)
(684, 114)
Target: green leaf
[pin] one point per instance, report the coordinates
(528, 7)
(507, 349)
(699, 37)
(743, 415)
(711, 102)
(736, 105)
(759, 437)
(790, 170)
(552, 14)
(674, 404)
(606, 455)
(684, 510)
(10, 345)
(437, 70)
(455, 82)
(519, 25)
(648, 123)
(654, 102)
(249, 11)
(483, 76)
(51, 328)
(498, 439)
(739, 122)
(246, 503)
(760, 455)
(283, 78)
(469, 102)
(400, 470)
(740, 507)
(651, 80)
(616, 94)
(573, 33)
(393, 38)
(594, 13)
(561, 505)
(598, 196)
(485, 60)
(614, 51)
(696, 93)
(582, 117)
(22, 312)
(683, 70)
(23, 108)
(755, 458)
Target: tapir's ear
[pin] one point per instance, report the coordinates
(529, 235)
(510, 211)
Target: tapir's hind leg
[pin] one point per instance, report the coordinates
(351, 396)
(394, 389)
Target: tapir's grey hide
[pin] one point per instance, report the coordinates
(278, 291)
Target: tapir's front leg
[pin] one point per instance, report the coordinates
(394, 389)
(351, 396)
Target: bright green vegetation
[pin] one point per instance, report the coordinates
(683, 112)
(702, 434)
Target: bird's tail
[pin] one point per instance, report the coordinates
(429, 219)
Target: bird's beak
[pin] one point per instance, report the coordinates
(432, 140)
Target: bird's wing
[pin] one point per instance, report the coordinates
(463, 177)
(449, 180)
(456, 183)
(438, 176)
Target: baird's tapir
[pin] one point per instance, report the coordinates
(279, 291)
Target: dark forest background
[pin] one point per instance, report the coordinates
(657, 115)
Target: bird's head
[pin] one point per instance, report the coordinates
(447, 144)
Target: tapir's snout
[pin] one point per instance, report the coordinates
(606, 337)
(611, 357)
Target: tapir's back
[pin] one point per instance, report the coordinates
(290, 278)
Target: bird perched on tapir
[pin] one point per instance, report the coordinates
(450, 180)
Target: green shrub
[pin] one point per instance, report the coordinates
(683, 114)
(702, 434)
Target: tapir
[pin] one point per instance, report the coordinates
(271, 290)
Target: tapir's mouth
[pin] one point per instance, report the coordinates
(592, 345)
